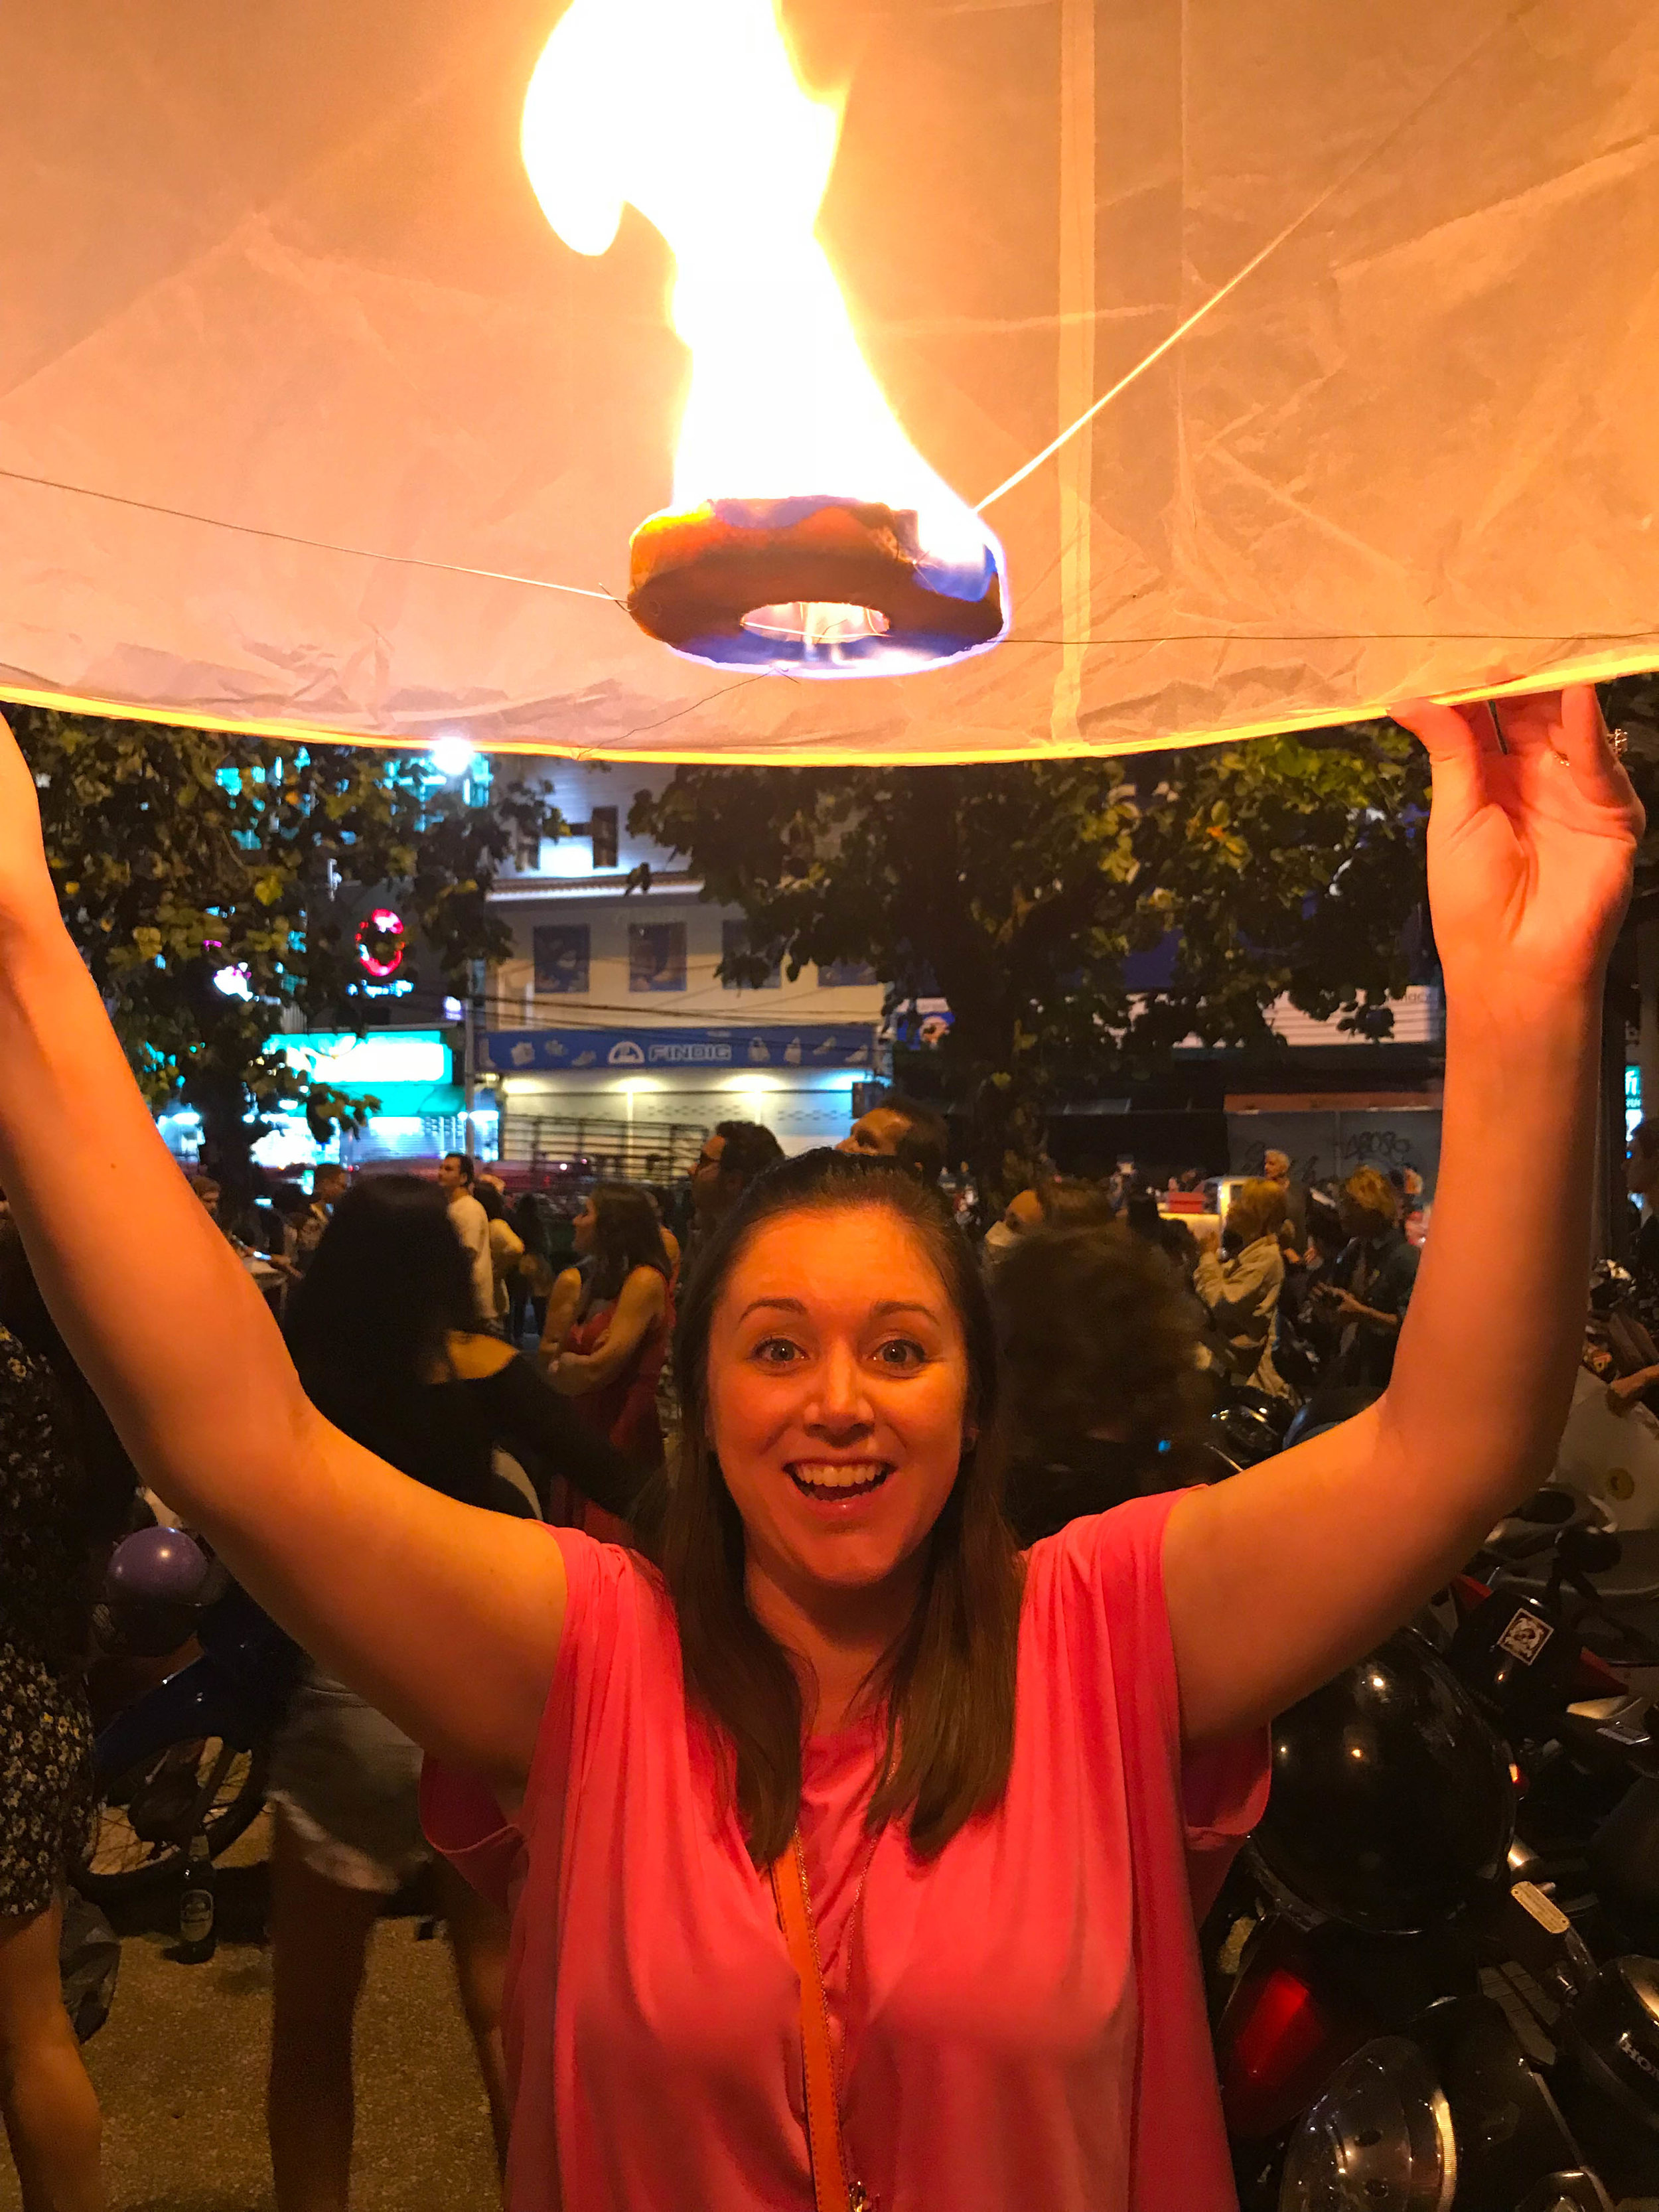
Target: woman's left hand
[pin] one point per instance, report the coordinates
(1531, 839)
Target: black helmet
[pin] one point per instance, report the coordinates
(1392, 1797)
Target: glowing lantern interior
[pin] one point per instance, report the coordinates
(692, 111)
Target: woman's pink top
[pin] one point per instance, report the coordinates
(1018, 2021)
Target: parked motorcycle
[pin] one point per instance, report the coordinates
(1407, 2018)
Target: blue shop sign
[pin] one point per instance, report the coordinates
(523, 1051)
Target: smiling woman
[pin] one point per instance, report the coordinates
(838, 1362)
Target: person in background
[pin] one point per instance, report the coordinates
(1370, 1286)
(383, 1334)
(1641, 1181)
(506, 1249)
(1102, 1398)
(293, 1210)
(1408, 1188)
(329, 1182)
(328, 1187)
(607, 1330)
(1054, 1202)
(1276, 1168)
(670, 1243)
(1166, 1233)
(1024, 1212)
(904, 1130)
(269, 1274)
(471, 1225)
(733, 1153)
(65, 1489)
(527, 1293)
(1241, 1289)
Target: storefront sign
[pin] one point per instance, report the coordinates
(522, 1052)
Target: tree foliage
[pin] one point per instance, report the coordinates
(1288, 865)
(180, 853)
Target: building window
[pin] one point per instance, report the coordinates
(845, 974)
(602, 829)
(735, 944)
(656, 955)
(561, 957)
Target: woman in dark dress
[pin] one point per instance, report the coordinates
(65, 1488)
(385, 1334)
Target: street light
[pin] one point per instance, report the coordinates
(452, 757)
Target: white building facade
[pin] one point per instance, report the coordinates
(607, 1029)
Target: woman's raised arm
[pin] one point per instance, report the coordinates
(445, 1618)
(1283, 1574)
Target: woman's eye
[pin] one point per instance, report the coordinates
(777, 1351)
(902, 1352)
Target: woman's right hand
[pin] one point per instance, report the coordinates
(26, 885)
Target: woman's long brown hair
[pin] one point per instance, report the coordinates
(949, 1681)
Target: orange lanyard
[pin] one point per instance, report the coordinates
(832, 2190)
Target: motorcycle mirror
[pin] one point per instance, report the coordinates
(1547, 1509)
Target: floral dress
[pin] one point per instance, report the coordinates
(46, 1728)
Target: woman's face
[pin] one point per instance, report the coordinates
(583, 1227)
(838, 1390)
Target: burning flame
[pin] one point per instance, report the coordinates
(691, 111)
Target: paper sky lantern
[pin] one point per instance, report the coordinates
(1298, 358)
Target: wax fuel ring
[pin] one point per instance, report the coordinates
(813, 587)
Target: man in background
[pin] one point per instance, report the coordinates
(328, 1187)
(1276, 1168)
(471, 1225)
(733, 1153)
(207, 1190)
(904, 1130)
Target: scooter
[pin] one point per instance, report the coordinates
(186, 1763)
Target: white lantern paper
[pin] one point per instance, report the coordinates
(310, 423)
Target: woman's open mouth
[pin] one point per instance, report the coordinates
(833, 1481)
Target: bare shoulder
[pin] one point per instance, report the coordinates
(475, 1358)
(646, 1288)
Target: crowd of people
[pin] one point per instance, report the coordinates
(1298, 1286)
(848, 1816)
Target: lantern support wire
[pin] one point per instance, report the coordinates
(307, 544)
(1255, 261)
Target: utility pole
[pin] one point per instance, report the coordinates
(470, 1058)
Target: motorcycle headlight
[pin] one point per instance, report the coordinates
(1379, 2140)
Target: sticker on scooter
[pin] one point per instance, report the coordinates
(1525, 1638)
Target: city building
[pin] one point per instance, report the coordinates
(608, 1033)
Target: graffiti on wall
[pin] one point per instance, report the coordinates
(1325, 1147)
